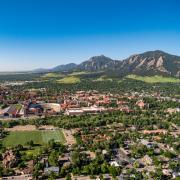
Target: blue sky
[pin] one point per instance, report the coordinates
(46, 33)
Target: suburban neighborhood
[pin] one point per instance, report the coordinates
(113, 143)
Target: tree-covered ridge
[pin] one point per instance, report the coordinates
(147, 63)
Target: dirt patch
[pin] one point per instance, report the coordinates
(22, 128)
(47, 127)
(68, 134)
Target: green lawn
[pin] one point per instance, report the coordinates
(39, 137)
(52, 75)
(79, 73)
(35, 151)
(56, 135)
(103, 78)
(154, 79)
(69, 80)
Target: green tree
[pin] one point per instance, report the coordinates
(1, 171)
(68, 177)
(53, 158)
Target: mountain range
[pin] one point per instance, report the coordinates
(148, 63)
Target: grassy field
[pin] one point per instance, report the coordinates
(79, 73)
(52, 75)
(69, 80)
(56, 135)
(154, 79)
(38, 137)
(103, 78)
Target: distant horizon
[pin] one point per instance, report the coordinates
(46, 33)
(49, 68)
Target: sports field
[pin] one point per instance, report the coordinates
(39, 137)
